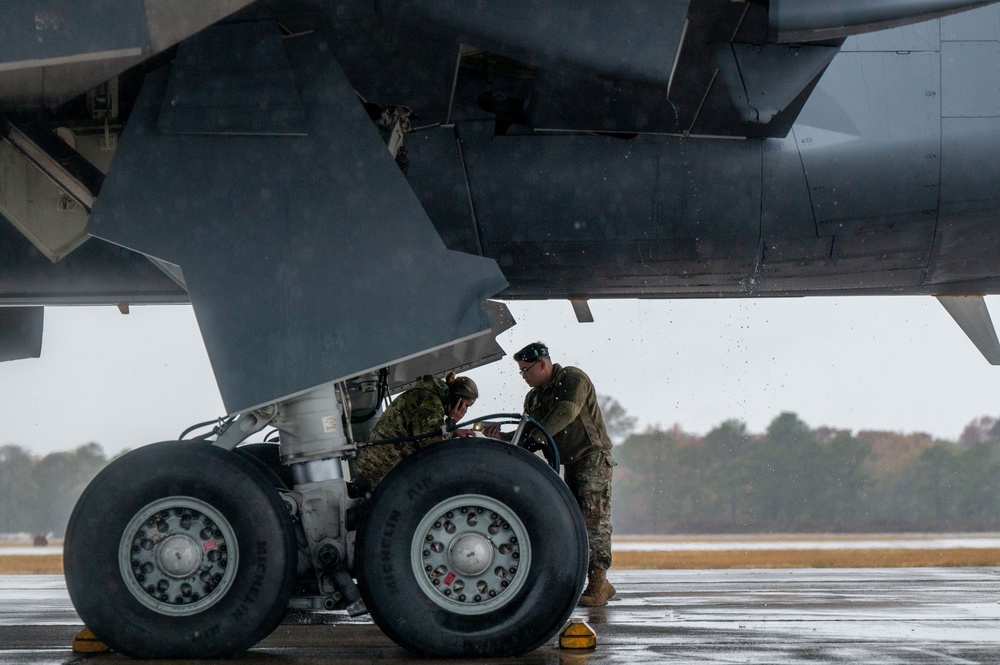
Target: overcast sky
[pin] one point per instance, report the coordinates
(897, 363)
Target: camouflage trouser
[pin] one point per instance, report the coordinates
(590, 481)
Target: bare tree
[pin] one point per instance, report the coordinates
(616, 419)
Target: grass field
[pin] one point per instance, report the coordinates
(31, 564)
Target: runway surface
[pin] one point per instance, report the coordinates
(888, 615)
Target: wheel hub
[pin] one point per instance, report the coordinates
(470, 554)
(178, 556)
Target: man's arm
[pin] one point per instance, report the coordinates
(571, 395)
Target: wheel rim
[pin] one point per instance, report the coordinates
(470, 554)
(178, 556)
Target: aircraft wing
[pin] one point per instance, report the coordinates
(337, 186)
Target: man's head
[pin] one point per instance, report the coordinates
(534, 364)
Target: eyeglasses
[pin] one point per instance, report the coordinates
(525, 370)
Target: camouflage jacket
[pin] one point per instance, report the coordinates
(419, 410)
(567, 408)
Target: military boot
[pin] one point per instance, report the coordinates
(599, 590)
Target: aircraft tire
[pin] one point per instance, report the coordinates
(471, 548)
(180, 550)
(265, 457)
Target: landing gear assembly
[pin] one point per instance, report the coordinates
(197, 548)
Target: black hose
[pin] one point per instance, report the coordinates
(550, 450)
(218, 422)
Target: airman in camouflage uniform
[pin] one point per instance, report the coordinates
(433, 405)
(564, 401)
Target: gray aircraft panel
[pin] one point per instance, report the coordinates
(807, 20)
(924, 36)
(637, 39)
(890, 137)
(966, 247)
(975, 24)
(967, 242)
(963, 94)
(970, 169)
(33, 32)
(211, 91)
(656, 188)
(431, 153)
(788, 226)
(287, 244)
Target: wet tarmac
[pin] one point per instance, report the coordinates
(896, 615)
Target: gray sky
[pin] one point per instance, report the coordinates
(896, 363)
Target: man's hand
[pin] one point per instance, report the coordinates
(491, 430)
(464, 433)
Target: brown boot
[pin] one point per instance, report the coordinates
(599, 590)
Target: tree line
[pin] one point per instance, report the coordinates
(37, 495)
(787, 479)
(796, 479)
